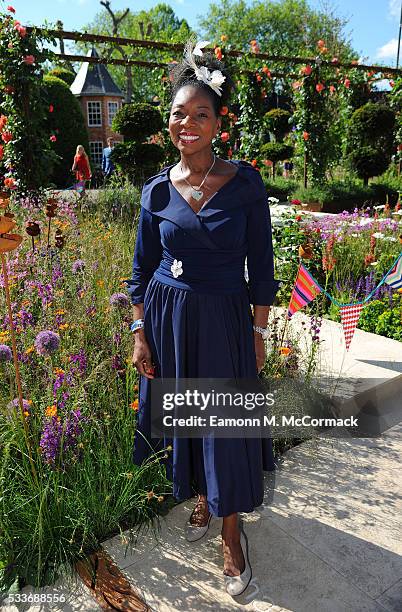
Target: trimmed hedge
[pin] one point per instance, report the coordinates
(67, 123)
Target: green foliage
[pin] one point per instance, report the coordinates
(28, 156)
(276, 151)
(381, 317)
(289, 27)
(280, 188)
(137, 121)
(277, 121)
(64, 74)
(370, 142)
(67, 123)
(137, 160)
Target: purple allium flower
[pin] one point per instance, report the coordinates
(5, 353)
(47, 342)
(78, 266)
(120, 300)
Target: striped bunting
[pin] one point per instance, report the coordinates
(394, 276)
(350, 317)
(305, 290)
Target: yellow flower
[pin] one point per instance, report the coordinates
(64, 326)
(169, 448)
(58, 371)
(4, 335)
(26, 413)
(129, 475)
(60, 312)
(51, 411)
(160, 498)
(100, 283)
(150, 495)
(25, 303)
(29, 350)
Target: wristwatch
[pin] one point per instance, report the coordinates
(264, 331)
(138, 324)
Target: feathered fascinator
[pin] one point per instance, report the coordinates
(215, 78)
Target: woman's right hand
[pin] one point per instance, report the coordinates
(142, 358)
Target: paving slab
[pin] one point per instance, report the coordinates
(328, 537)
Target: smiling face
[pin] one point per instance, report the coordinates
(192, 122)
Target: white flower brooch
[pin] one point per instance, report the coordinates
(176, 268)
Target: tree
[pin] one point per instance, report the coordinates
(134, 157)
(371, 140)
(289, 27)
(277, 122)
(64, 74)
(66, 123)
(276, 151)
(160, 22)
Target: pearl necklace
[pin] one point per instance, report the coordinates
(196, 192)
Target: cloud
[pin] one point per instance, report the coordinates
(394, 7)
(389, 50)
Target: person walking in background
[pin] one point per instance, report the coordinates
(107, 164)
(81, 168)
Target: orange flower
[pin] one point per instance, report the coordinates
(258, 77)
(1, 152)
(296, 84)
(332, 88)
(224, 111)
(284, 350)
(134, 405)
(3, 121)
(319, 87)
(346, 82)
(224, 38)
(9, 183)
(266, 70)
(150, 495)
(218, 53)
(225, 136)
(51, 411)
(306, 135)
(320, 43)
(254, 163)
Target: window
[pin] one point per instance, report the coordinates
(113, 107)
(94, 114)
(96, 151)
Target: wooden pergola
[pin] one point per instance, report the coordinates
(178, 48)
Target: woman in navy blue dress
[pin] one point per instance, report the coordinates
(199, 220)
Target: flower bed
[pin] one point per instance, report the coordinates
(68, 480)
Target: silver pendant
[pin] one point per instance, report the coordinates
(197, 195)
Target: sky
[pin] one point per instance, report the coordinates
(373, 24)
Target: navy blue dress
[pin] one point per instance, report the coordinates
(198, 322)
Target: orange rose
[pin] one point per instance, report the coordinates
(306, 135)
(224, 111)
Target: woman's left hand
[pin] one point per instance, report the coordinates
(259, 345)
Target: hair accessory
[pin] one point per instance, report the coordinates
(215, 78)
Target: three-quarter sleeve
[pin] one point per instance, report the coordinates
(260, 258)
(147, 255)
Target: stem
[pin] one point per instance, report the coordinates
(16, 365)
(48, 232)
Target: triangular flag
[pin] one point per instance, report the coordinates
(394, 276)
(304, 290)
(350, 317)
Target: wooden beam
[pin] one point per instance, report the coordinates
(152, 44)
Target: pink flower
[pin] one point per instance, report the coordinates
(51, 108)
(225, 136)
(346, 82)
(22, 31)
(6, 137)
(53, 138)
(11, 9)
(29, 60)
(307, 70)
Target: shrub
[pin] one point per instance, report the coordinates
(280, 188)
(137, 121)
(67, 123)
(370, 141)
(138, 160)
(277, 122)
(64, 74)
(276, 151)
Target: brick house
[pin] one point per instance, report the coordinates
(100, 99)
